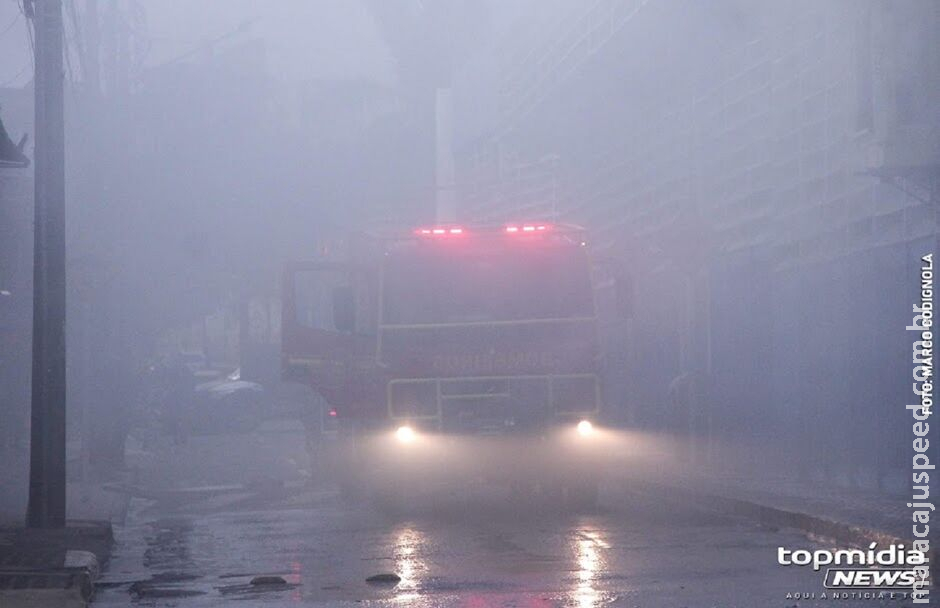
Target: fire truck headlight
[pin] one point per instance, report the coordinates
(405, 434)
(585, 428)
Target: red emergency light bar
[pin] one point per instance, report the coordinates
(443, 231)
(526, 228)
(439, 231)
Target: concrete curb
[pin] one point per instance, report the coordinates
(53, 567)
(818, 526)
(66, 587)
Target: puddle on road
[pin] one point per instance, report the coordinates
(408, 563)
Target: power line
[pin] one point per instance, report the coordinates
(26, 8)
(10, 25)
(26, 11)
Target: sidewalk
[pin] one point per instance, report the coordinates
(826, 512)
(831, 512)
(880, 513)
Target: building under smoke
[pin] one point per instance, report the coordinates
(767, 174)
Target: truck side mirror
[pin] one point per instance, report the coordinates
(344, 308)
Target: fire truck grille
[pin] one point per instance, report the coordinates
(492, 403)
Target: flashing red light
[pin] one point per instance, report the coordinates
(458, 230)
(439, 231)
(333, 413)
(512, 229)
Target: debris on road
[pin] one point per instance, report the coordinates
(76, 558)
(145, 589)
(386, 578)
(260, 584)
(268, 580)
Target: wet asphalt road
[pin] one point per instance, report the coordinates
(472, 548)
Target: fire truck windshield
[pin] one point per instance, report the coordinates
(434, 286)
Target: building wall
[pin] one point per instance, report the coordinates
(756, 188)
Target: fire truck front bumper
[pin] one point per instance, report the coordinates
(407, 455)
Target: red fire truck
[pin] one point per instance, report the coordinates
(452, 352)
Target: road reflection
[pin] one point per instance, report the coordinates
(589, 549)
(295, 578)
(408, 564)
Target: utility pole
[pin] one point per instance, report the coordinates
(47, 449)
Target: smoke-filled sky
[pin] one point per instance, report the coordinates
(310, 39)
(304, 39)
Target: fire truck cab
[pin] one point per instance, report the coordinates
(452, 352)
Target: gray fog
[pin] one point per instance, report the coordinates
(641, 270)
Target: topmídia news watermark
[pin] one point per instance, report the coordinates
(921, 410)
